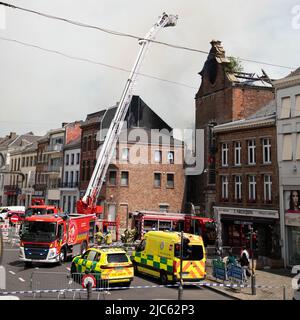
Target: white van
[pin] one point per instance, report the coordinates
(4, 211)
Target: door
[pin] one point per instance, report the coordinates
(111, 215)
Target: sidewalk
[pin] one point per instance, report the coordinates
(268, 277)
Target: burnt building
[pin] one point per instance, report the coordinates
(225, 95)
(146, 172)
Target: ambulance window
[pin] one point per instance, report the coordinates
(84, 256)
(141, 246)
(97, 257)
(91, 255)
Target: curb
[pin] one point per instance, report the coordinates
(225, 294)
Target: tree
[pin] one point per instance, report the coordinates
(234, 65)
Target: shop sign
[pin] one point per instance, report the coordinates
(292, 219)
(259, 213)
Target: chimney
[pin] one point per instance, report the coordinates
(12, 135)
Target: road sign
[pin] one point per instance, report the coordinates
(219, 270)
(14, 219)
(88, 278)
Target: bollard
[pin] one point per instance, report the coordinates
(253, 285)
(284, 293)
(180, 290)
(89, 290)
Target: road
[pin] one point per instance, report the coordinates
(18, 278)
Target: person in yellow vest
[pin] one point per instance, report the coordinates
(108, 237)
(99, 237)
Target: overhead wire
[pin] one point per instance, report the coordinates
(92, 61)
(116, 33)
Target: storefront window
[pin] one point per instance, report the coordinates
(294, 245)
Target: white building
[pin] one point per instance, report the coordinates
(70, 186)
(288, 146)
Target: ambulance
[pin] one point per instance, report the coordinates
(159, 255)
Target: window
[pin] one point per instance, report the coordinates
(170, 180)
(84, 147)
(67, 159)
(297, 106)
(112, 178)
(252, 188)
(157, 179)
(125, 154)
(267, 188)
(88, 170)
(171, 157)
(157, 156)
(238, 188)
(77, 177)
(237, 153)
(66, 177)
(77, 158)
(298, 147)
(83, 171)
(124, 178)
(251, 152)
(72, 178)
(89, 146)
(285, 108)
(72, 158)
(224, 154)
(266, 150)
(224, 188)
(287, 151)
(163, 207)
(23, 162)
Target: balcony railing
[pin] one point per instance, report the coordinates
(53, 169)
(69, 185)
(55, 148)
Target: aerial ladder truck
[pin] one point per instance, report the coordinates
(88, 203)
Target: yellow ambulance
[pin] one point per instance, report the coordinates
(158, 255)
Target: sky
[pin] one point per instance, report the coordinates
(40, 90)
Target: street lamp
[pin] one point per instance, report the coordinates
(253, 288)
(180, 289)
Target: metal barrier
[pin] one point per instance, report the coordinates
(13, 235)
(62, 283)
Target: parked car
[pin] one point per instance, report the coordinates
(5, 212)
(105, 263)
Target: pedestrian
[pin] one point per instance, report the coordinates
(244, 261)
(231, 258)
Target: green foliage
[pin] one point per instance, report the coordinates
(234, 65)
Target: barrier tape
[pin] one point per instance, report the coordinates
(205, 284)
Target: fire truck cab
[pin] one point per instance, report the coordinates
(52, 238)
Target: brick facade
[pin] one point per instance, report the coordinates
(222, 97)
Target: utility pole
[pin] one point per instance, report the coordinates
(180, 288)
(253, 288)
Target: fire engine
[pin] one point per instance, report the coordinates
(145, 221)
(52, 238)
(88, 203)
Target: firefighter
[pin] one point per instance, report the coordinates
(108, 237)
(99, 237)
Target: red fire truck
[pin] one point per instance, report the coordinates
(145, 221)
(52, 238)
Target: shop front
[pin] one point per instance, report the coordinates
(235, 225)
(292, 226)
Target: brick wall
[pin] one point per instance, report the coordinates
(258, 170)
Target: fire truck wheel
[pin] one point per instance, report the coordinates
(83, 247)
(62, 255)
(163, 278)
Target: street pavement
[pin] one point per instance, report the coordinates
(18, 279)
(280, 279)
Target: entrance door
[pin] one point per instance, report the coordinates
(111, 215)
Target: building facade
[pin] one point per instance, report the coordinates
(224, 95)
(288, 131)
(247, 192)
(71, 170)
(134, 185)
